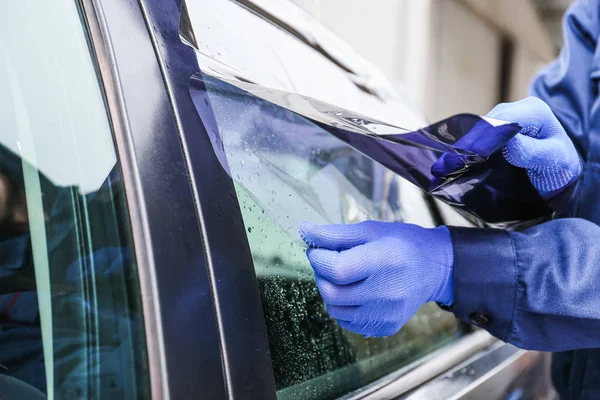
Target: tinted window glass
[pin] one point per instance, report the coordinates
(286, 170)
(70, 315)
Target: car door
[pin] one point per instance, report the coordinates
(151, 249)
(286, 168)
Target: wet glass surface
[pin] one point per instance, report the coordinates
(286, 170)
(457, 160)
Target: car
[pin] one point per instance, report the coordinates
(156, 159)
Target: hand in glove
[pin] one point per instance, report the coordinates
(374, 276)
(542, 147)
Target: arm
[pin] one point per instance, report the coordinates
(569, 86)
(539, 289)
(545, 279)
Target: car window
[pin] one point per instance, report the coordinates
(286, 170)
(71, 325)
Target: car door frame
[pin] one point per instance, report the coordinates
(185, 216)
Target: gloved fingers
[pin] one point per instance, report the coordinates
(367, 320)
(340, 295)
(526, 152)
(347, 325)
(356, 327)
(542, 146)
(344, 267)
(336, 237)
(549, 163)
(343, 313)
(372, 329)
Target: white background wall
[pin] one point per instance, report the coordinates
(448, 57)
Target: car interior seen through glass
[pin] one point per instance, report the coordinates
(71, 325)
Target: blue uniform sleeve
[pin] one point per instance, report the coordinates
(569, 84)
(538, 289)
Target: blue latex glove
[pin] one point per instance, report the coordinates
(374, 276)
(542, 147)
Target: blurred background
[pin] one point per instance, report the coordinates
(455, 55)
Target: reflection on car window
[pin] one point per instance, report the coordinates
(286, 170)
(70, 315)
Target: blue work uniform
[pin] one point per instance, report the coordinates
(545, 280)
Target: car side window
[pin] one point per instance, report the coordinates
(286, 170)
(71, 323)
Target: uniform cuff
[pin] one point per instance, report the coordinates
(485, 279)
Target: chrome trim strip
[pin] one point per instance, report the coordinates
(425, 369)
(109, 74)
(467, 376)
(508, 363)
(501, 372)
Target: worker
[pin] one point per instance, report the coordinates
(538, 288)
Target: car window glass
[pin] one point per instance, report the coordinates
(287, 170)
(231, 39)
(70, 315)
